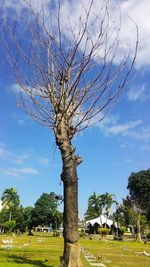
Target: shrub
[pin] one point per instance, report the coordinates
(122, 230)
(82, 234)
(148, 236)
(9, 226)
(56, 234)
(103, 231)
(118, 238)
(30, 233)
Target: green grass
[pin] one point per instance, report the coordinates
(41, 251)
(45, 251)
(118, 254)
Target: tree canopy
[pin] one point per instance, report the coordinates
(108, 200)
(17, 218)
(95, 206)
(45, 211)
(139, 189)
(10, 200)
(125, 214)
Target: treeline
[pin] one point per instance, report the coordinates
(133, 212)
(14, 217)
(135, 208)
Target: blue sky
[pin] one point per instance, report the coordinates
(111, 149)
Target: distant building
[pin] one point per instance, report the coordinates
(43, 229)
(82, 226)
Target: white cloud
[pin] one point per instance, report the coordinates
(10, 158)
(124, 144)
(123, 128)
(44, 161)
(142, 134)
(5, 152)
(26, 170)
(145, 148)
(18, 6)
(2, 151)
(137, 93)
(138, 11)
(21, 164)
(19, 172)
(13, 157)
(136, 130)
(21, 122)
(22, 158)
(14, 87)
(20, 119)
(128, 160)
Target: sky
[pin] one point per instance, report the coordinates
(111, 149)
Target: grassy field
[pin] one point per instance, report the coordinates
(118, 254)
(31, 251)
(45, 250)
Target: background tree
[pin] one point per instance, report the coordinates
(125, 214)
(139, 190)
(4, 215)
(56, 220)
(107, 201)
(9, 226)
(45, 212)
(95, 206)
(12, 211)
(67, 76)
(129, 212)
(28, 217)
(10, 200)
(19, 218)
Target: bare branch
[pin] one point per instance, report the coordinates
(65, 72)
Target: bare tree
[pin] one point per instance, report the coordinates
(68, 80)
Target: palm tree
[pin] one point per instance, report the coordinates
(107, 201)
(95, 206)
(10, 200)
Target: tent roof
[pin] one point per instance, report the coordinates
(100, 220)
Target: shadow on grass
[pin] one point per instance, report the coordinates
(23, 260)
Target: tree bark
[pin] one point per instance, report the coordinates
(139, 227)
(71, 255)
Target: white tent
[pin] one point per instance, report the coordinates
(100, 220)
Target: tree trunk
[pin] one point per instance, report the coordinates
(106, 216)
(139, 227)
(101, 220)
(106, 219)
(71, 255)
(10, 216)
